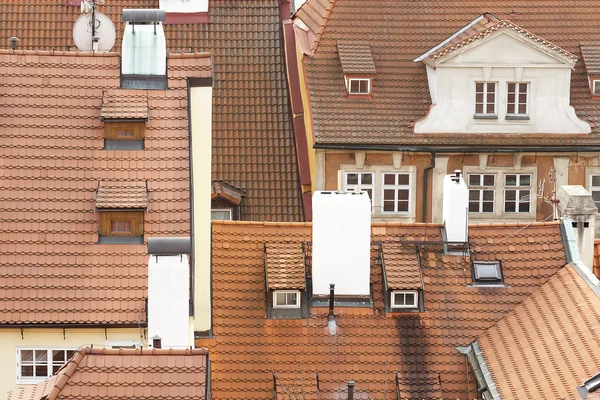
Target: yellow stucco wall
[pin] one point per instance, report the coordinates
(41, 338)
(201, 123)
(310, 140)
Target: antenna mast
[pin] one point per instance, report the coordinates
(553, 199)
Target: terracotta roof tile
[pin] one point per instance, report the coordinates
(125, 374)
(591, 57)
(369, 344)
(124, 104)
(315, 14)
(398, 32)
(228, 192)
(549, 343)
(285, 266)
(597, 258)
(402, 268)
(127, 195)
(52, 267)
(356, 58)
(253, 146)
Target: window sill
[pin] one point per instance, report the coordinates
(485, 116)
(512, 117)
(120, 240)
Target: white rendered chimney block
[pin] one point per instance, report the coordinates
(341, 243)
(455, 208)
(184, 6)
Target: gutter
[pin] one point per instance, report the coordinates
(485, 381)
(451, 149)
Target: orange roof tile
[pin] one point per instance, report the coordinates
(356, 58)
(285, 266)
(370, 344)
(253, 145)
(124, 104)
(549, 343)
(128, 195)
(398, 32)
(125, 374)
(597, 258)
(52, 269)
(402, 268)
(591, 57)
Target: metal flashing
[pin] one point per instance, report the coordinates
(169, 245)
(485, 381)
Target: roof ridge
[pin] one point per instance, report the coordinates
(58, 53)
(324, 19)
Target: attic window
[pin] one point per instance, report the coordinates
(405, 299)
(121, 213)
(487, 272)
(359, 86)
(124, 135)
(596, 86)
(358, 67)
(286, 299)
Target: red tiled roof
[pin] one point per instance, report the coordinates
(549, 343)
(402, 268)
(356, 58)
(369, 345)
(228, 192)
(398, 32)
(52, 270)
(285, 266)
(128, 195)
(597, 258)
(253, 147)
(127, 374)
(124, 104)
(591, 57)
(315, 14)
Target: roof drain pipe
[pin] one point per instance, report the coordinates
(331, 325)
(350, 390)
(425, 176)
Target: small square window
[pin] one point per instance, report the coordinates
(405, 299)
(359, 86)
(487, 272)
(286, 299)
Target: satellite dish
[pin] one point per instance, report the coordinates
(105, 31)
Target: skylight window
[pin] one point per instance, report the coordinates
(487, 272)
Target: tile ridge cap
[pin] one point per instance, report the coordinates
(203, 54)
(58, 53)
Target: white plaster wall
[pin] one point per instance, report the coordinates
(201, 123)
(501, 58)
(10, 339)
(184, 6)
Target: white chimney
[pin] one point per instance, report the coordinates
(576, 203)
(341, 243)
(168, 300)
(184, 6)
(455, 207)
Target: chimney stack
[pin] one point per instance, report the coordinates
(455, 207)
(577, 204)
(350, 390)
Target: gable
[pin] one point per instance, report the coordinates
(505, 47)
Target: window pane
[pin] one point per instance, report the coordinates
(124, 134)
(511, 87)
(120, 226)
(523, 98)
(491, 97)
(403, 179)
(27, 370)
(370, 193)
(41, 370)
(27, 355)
(479, 98)
(474, 195)
(280, 299)
(524, 206)
(491, 87)
(489, 180)
(352, 179)
(409, 298)
(595, 180)
(218, 215)
(596, 87)
(523, 88)
(596, 195)
(291, 299)
(511, 98)
(354, 86)
(403, 206)
(473, 206)
(488, 195)
(402, 194)
(58, 356)
(511, 180)
(479, 108)
(41, 355)
(488, 207)
(474, 180)
(522, 109)
(388, 195)
(509, 206)
(490, 108)
(510, 195)
(366, 179)
(389, 179)
(388, 205)
(525, 180)
(364, 86)
(479, 86)
(510, 108)
(55, 368)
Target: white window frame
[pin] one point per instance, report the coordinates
(485, 101)
(361, 187)
(594, 83)
(286, 292)
(481, 188)
(395, 188)
(228, 210)
(517, 102)
(499, 196)
(518, 189)
(49, 362)
(404, 292)
(590, 172)
(350, 80)
(115, 344)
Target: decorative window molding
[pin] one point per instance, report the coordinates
(221, 214)
(396, 189)
(487, 273)
(517, 101)
(405, 299)
(286, 299)
(486, 99)
(501, 192)
(36, 364)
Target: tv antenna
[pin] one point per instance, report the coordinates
(93, 31)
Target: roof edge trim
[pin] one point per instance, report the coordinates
(482, 373)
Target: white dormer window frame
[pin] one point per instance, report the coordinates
(596, 87)
(405, 296)
(286, 299)
(486, 99)
(519, 104)
(359, 86)
(216, 212)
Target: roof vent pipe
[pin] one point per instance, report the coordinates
(350, 390)
(13, 42)
(331, 298)
(157, 342)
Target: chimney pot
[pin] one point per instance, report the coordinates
(13, 42)
(157, 342)
(350, 390)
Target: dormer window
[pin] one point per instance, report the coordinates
(517, 104)
(405, 299)
(286, 299)
(121, 208)
(359, 86)
(124, 114)
(596, 86)
(285, 278)
(358, 67)
(485, 100)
